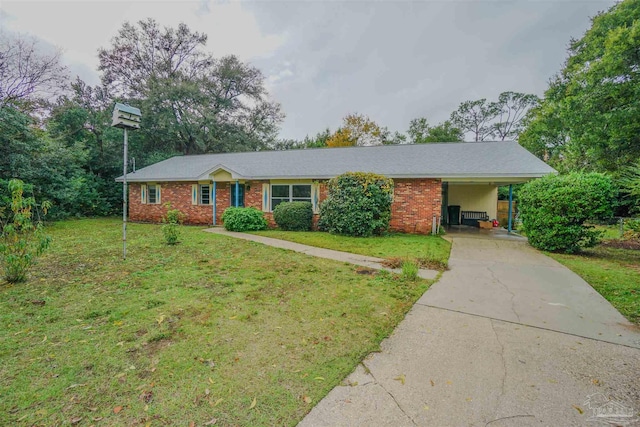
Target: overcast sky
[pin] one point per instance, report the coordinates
(391, 60)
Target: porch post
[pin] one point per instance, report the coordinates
(237, 193)
(213, 194)
(510, 207)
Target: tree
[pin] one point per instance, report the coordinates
(146, 52)
(193, 103)
(82, 122)
(27, 70)
(317, 141)
(475, 117)
(393, 139)
(342, 138)
(590, 111)
(357, 129)
(421, 132)
(511, 110)
(554, 210)
(630, 187)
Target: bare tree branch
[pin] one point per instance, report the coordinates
(27, 71)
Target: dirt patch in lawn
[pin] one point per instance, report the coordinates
(396, 262)
(633, 244)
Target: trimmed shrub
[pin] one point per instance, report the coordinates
(357, 204)
(170, 228)
(554, 210)
(294, 216)
(244, 219)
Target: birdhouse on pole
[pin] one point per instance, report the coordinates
(126, 117)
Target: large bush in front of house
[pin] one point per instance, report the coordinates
(244, 219)
(554, 210)
(357, 204)
(294, 216)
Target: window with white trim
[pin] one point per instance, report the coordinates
(153, 194)
(205, 194)
(289, 193)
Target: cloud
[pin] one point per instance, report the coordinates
(80, 28)
(396, 61)
(391, 60)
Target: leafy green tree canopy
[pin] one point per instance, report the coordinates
(421, 132)
(193, 103)
(590, 116)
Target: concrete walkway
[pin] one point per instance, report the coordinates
(498, 341)
(362, 260)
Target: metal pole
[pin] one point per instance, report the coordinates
(213, 191)
(124, 200)
(510, 207)
(621, 227)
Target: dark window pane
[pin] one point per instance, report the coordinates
(302, 191)
(152, 194)
(276, 202)
(205, 195)
(306, 199)
(280, 191)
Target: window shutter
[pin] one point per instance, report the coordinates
(315, 197)
(265, 197)
(143, 193)
(211, 194)
(158, 196)
(194, 194)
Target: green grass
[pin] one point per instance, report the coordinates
(186, 333)
(390, 246)
(614, 273)
(609, 231)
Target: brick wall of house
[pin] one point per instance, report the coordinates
(178, 194)
(415, 202)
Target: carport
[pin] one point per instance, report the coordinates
(477, 195)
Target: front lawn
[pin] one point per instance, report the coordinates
(214, 328)
(427, 249)
(614, 273)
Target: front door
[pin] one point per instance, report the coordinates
(240, 192)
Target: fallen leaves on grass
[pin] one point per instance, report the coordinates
(117, 409)
(147, 396)
(253, 403)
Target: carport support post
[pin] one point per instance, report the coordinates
(237, 193)
(213, 195)
(510, 207)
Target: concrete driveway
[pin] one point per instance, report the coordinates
(509, 280)
(507, 337)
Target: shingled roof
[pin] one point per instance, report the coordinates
(501, 161)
